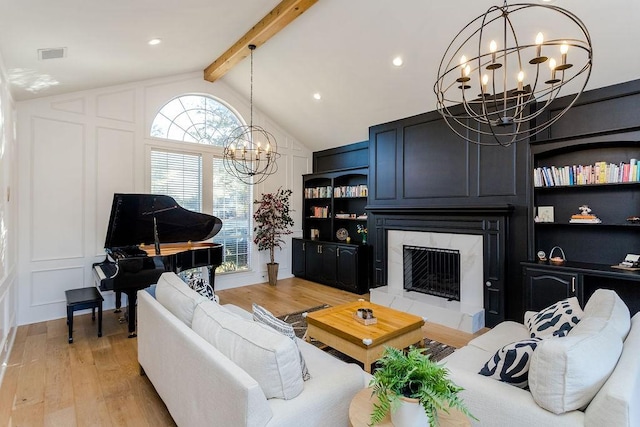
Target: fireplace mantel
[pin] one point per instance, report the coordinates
(491, 222)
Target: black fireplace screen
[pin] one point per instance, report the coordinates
(432, 271)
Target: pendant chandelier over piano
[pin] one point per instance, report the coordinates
(497, 79)
(250, 152)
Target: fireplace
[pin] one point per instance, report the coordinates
(432, 271)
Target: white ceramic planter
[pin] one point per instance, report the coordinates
(409, 414)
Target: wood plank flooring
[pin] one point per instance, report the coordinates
(96, 381)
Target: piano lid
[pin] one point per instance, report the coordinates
(131, 221)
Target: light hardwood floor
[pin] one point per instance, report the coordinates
(96, 381)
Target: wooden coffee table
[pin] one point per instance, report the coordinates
(336, 327)
(362, 406)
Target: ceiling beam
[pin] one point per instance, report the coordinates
(274, 21)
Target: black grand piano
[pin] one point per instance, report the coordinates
(148, 235)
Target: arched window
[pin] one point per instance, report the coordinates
(194, 175)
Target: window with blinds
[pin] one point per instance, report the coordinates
(179, 176)
(203, 120)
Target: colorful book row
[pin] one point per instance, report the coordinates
(598, 173)
(351, 191)
(317, 192)
(319, 211)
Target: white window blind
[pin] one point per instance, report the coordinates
(232, 204)
(178, 175)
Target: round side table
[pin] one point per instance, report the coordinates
(362, 406)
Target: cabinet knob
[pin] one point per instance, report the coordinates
(488, 284)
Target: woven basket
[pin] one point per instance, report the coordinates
(557, 260)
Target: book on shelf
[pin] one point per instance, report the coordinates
(597, 173)
(585, 221)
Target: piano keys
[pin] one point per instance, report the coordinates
(148, 235)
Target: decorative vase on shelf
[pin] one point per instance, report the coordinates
(409, 414)
(364, 239)
(272, 273)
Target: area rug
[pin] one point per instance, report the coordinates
(436, 350)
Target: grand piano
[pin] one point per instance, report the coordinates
(148, 235)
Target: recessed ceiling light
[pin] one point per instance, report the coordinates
(397, 61)
(317, 96)
(154, 42)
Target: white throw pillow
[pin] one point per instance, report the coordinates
(566, 373)
(264, 316)
(606, 304)
(555, 320)
(510, 364)
(267, 356)
(177, 297)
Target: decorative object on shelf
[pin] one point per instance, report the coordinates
(315, 234)
(634, 219)
(557, 260)
(545, 214)
(250, 152)
(493, 96)
(365, 316)
(272, 220)
(412, 377)
(584, 217)
(342, 234)
(363, 231)
(542, 257)
(631, 262)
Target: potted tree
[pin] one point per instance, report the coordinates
(272, 221)
(412, 388)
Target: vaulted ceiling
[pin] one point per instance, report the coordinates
(341, 49)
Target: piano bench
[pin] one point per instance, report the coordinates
(81, 299)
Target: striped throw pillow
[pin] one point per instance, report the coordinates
(510, 364)
(264, 316)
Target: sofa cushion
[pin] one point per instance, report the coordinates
(607, 305)
(555, 320)
(264, 316)
(268, 357)
(500, 335)
(566, 373)
(177, 297)
(510, 364)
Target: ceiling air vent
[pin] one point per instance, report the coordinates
(52, 53)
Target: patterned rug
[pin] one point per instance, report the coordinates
(298, 320)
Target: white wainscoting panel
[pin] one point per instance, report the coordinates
(114, 174)
(57, 189)
(70, 106)
(117, 106)
(48, 286)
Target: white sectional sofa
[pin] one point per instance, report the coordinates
(590, 377)
(206, 385)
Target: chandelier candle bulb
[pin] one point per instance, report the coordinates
(485, 80)
(552, 66)
(520, 79)
(539, 41)
(463, 64)
(492, 48)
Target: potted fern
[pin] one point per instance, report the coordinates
(412, 377)
(272, 221)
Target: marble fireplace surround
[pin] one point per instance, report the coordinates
(468, 313)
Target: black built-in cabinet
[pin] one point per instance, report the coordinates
(603, 126)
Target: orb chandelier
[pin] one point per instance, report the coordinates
(250, 152)
(498, 78)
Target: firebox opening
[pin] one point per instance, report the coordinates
(433, 271)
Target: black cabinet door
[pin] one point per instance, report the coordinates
(347, 270)
(298, 255)
(313, 260)
(328, 270)
(544, 287)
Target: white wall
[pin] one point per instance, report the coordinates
(76, 150)
(8, 221)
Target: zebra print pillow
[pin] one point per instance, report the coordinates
(555, 320)
(510, 364)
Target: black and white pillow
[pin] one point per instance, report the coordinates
(510, 364)
(555, 320)
(264, 316)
